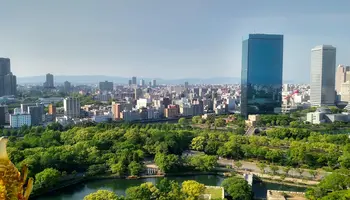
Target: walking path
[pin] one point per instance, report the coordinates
(293, 172)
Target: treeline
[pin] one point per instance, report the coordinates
(235, 186)
(283, 146)
(122, 148)
(333, 187)
(105, 148)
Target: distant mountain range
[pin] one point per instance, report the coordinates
(91, 79)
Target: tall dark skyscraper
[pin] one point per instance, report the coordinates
(261, 75)
(8, 81)
(49, 83)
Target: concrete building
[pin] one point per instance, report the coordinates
(138, 93)
(36, 115)
(142, 83)
(116, 109)
(3, 115)
(142, 103)
(324, 115)
(49, 83)
(322, 87)
(172, 111)
(71, 107)
(134, 80)
(106, 86)
(186, 109)
(67, 87)
(143, 113)
(18, 120)
(154, 83)
(341, 77)
(8, 81)
(345, 91)
(130, 115)
(24, 107)
(152, 113)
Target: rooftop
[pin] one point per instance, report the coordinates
(324, 46)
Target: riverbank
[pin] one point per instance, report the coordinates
(120, 186)
(220, 173)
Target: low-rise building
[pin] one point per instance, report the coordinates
(130, 115)
(172, 111)
(18, 120)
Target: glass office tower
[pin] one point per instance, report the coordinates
(261, 75)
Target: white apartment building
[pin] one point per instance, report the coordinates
(142, 103)
(71, 107)
(322, 87)
(18, 120)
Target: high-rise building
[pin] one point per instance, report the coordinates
(341, 76)
(2, 115)
(67, 87)
(134, 80)
(186, 85)
(106, 86)
(138, 93)
(71, 107)
(24, 107)
(154, 83)
(261, 75)
(36, 115)
(49, 83)
(116, 109)
(52, 109)
(322, 87)
(142, 83)
(8, 81)
(130, 82)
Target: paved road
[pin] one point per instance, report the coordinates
(251, 166)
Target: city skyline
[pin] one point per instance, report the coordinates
(130, 39)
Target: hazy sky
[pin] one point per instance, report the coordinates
(164, 38)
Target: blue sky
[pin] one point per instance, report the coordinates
(164, 38)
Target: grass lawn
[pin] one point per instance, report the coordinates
(216, 193)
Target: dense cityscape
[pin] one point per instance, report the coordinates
(261, 136)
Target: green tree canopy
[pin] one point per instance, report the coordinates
(238, 188)
(103, 195)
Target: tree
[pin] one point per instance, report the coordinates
(145, 191)
(170, 190)
(286, 170)
(238, 188)
(196, 119)
(134, 168)
(299, 171)
(313, 173)
(274, 169)
(96, 169)
(103, 195)
(192, 189)
(198, 143)
(333, 186)
(262, 167)
(203, 162)
(165, 162)
(118, 168)
(47, 178)
(219, 122)
(182, 121)
(238, 164)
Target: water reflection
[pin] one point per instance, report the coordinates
(119, 186)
